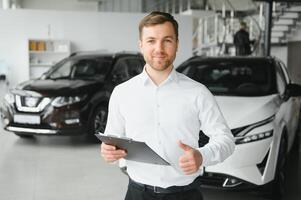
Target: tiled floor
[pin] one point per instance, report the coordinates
(66, 168)
(56, 168)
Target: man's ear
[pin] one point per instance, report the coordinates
(140, 46)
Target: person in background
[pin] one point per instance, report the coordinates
(242, 41)
(166, 110)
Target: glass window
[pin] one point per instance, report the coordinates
(135, 66)
(126, 67)
(234, 78)
(81, 68)
(62, 71)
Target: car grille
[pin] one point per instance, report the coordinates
(31, 104)
(215, 180)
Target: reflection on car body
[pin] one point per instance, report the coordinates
(71, 98)
(261, 106)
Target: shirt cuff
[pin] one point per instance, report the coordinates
(205, 155)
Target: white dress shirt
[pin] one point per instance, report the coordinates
(161, 115)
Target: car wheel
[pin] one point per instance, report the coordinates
(98, 120)
(276, 189)
(25, 136)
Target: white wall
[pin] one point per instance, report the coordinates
(74, 5)
(296, 33)
(280, 52)
(88, 5)
(121, 5)
(86, 31)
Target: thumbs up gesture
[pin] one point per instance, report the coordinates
(191, 160)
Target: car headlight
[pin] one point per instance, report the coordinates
(67, 100)
(9, 98)
(254, 137)
(241, 136)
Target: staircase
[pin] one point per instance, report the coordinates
(285, 20)
(216, 21)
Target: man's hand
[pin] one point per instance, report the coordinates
(111, 153)
(192, 159)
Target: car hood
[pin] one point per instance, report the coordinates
(59, 87)
(241, 111)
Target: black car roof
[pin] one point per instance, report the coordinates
(236, 59)
(233, 58)
(98, 54)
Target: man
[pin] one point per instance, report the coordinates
(166, 110)
(242, 41)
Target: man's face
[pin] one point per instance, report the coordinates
(159, 45)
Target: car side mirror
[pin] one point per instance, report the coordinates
(293, 90)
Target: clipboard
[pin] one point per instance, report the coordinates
(136, 151)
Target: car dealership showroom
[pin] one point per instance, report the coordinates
(60, 61)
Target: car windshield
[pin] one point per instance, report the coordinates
(249, 78)
(80, 68)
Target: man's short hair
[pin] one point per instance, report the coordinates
(157, 17)
(243, 24)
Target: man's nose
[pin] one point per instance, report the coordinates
(159, 46)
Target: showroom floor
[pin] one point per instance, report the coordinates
(66, 168)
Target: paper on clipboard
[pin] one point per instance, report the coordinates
(136, 151)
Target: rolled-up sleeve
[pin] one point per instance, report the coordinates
(115, 122)
(221, 141)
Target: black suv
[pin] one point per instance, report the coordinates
(71, 98)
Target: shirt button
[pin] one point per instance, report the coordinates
(158, 123)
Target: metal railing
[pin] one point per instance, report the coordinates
(214, 34)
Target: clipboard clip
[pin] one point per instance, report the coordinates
(121, 137)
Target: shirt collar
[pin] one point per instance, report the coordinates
(172, 77)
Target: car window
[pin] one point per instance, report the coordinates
(125, 68)
(90, 68)
(81, 68)
(62, 71)
(233, 78)
(135, 66)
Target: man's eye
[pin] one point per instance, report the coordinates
(150, 41)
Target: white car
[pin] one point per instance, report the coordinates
(261, 106)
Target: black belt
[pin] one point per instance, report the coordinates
(173, 189)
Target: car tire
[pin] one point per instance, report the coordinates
(24, 136)
(276, 189)
(98, 120)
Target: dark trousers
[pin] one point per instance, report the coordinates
(136, 193)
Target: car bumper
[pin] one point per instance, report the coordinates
(52, 121)
(44, 131)
(251, 165)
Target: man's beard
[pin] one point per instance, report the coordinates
(159, 66)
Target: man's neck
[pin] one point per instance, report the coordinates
(158, 76)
